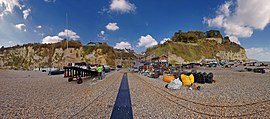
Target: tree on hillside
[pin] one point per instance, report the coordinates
(226, 38)
(189, 37)
(213, 34)
(194, 36)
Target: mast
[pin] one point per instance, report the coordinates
(66, 37)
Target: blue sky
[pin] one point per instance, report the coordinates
(135, 24)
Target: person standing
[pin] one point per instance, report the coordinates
(103, 71)
(99, 69)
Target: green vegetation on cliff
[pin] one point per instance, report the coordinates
(53, 55)
(194, 36)
(195, 45)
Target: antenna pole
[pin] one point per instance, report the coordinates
(66, 37)
(67, 27)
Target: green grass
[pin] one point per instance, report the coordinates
(191, 52)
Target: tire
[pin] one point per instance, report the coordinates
(70, 79)
(79, 81)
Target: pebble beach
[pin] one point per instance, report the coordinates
(30, 94)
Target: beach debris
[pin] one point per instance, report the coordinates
(175, 84)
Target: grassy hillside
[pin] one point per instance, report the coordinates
(193, 45)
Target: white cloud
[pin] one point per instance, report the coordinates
(49, 1)
(164, 40)
(102, 35)
(20, 27)
(39, 27)
(41, 34)
(225, 8)
(112, 26)
(234, 39)
(102, 32)
(240, 18)
(26, 13)
(7, 6)
(122, 6)
(147, 41)
(260, 54)
(51, 39)
(70, 34)
(123, 45)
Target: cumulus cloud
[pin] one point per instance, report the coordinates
(69, 33)
(112, 26)
(122, 6)
(123, 45)
(20, 27)
(260, 54)
(51, 39)
(7, 6)
(240, 18)
(39, 27)
(164, 40)
(26, 13)
(147, 41)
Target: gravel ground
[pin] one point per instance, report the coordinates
(37, 95)
(231, 89)
(148, 104)
(28, 94)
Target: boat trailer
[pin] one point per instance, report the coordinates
(71, 72)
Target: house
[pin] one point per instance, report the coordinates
(160, 59)
(218, 40)
(209, 60)
(125, 50)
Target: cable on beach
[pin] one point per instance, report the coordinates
(154, 88)
(96, 98)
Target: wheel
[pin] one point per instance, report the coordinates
(70, 79)
(79, 81)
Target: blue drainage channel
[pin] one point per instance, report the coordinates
(122, 108)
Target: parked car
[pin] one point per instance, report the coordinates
(135, 69)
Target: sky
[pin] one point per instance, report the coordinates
(135, 24)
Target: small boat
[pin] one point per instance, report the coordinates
(56, 72)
